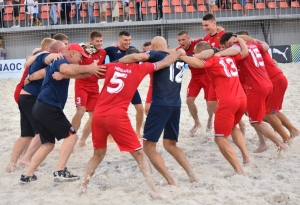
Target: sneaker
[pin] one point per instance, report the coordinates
(13, 27)
(40, 24)
(138, 19)
(64, 175)
(124, 21)
(17, 26)
(104, 22)
(26, 179)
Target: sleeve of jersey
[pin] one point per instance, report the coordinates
(146, 68)
(58, 63)
(152, 56)
(260, 47)
(208, 63)
(43, 57)
(238, 57)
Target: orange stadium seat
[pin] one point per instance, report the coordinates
(186, 2)
(83, 6)
(237, 7)
(8, 3)
(202, 8)
(44, 15)
(176, 3)
(22, 9)
(120, 5)
(152, 3)
(72, 13)
(82, 14)
(108, 5)
(295, 4)
(166, 3)
(178, 9)
(249, 6)
(144, 11)
(7, 17)
(283, 5)
(96, 6)
(272, 5)
(260, 5)
(153, 10)
(200, 2)
(143, 4)
(131, 4)
(121, 12)
(8, 10)
(216, 8)
(45, 8)
(190, 9)
(73, 7)
(131, 11)
(167, 10)
(108, 13)
(21, 16)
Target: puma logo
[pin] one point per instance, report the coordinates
(275, 50)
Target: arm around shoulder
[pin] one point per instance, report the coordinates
(136, 57)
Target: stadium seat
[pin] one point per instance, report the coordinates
(82, 14)
(176, 3)
(45, 8)
(131, 11)
(73, 7)
(178, 9)
(237, 7)
(83, 6)
(166, 3)
(151, 3)
(167, 10)
(8, 3)
(143, 4)
(7, 17)
(96, 7)
(295, 4)
(72, 13)
(120, 5)
(216, 8)
(283, 5)
(108, 12)
(144, 11)
(131, 4)
(260, 5)
(200, 2)
(44, 15)
(108, 5)
(186, 2)
(8, 10)
(202, 8)
(21, 16)
(190, 9)
(121, 12)
(249, 6)
(153, 10)
(272, 5)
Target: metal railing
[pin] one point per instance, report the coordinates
(87, 13)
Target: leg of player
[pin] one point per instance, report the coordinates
(275, 122)
(86, 131)
(157, 161)
(91, 167)
(65, 151)
(145, 168)
(19, 146)
(285, 122)
(262, 144)
(76, 120)
(190, 101)
(139, 118)
(266, 131)
(147, 108)
(238, 139)
(242, 127)
(211, 109)
(229, 153)
(176, 152)
(33, 147)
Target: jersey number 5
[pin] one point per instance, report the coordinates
(178, 77)
(115, 80)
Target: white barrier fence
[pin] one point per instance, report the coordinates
(11, 68)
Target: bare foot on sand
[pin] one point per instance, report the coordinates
(209, 126)
(246, 160)
(294, 134)
(193, 177)
(24, 162)
(11, 167)
(195, 128)
(155, 195)
(281, 149)
(81, 144)
(261, 148)
(240, 172)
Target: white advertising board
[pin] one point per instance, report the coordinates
(11, 68)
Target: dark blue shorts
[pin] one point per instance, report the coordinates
(162, 118)
(35, 15)
(136, 98)
(243, 2)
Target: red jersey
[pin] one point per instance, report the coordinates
(92, 80)
(20, 85)
(121, 82)
(214, 40)
(224, 77)
(252, 69)
(195, 71)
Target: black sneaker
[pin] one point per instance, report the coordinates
(64, 175)
(26, 179)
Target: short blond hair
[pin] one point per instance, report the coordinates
(46, 42)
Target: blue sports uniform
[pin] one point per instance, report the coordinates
(115, 53)
(48, 110)
(164, 113)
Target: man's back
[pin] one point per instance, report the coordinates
(115, 52)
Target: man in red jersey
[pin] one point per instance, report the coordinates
(87, 89)
(231, 98)
(110, 115)
(257, 84)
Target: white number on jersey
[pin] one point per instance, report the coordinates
(178, 77)
(232, 71)
(256, 56)
(116, 80)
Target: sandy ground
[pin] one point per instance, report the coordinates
(269, 180)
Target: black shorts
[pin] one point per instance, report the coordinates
(51, 122)
(28, 124)
(16, 11)
(136, 98)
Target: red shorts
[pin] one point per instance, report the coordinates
(196, 84)
(228, 115)
(86, 98)
(274, 102)
(149, 94)
(121, 130)
(212, 96)
(256, 104)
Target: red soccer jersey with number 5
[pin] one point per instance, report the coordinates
(224, 77)
(121, 82)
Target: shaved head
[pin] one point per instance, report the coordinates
(159, 43)
(57, 46)
(201, 46)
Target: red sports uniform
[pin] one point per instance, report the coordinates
(232, 102)
(149, 93)
(110, 114)
(87, 89)
(20, 85)
(279, 81)
(257, 84)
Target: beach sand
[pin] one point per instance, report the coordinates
(269, 180)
